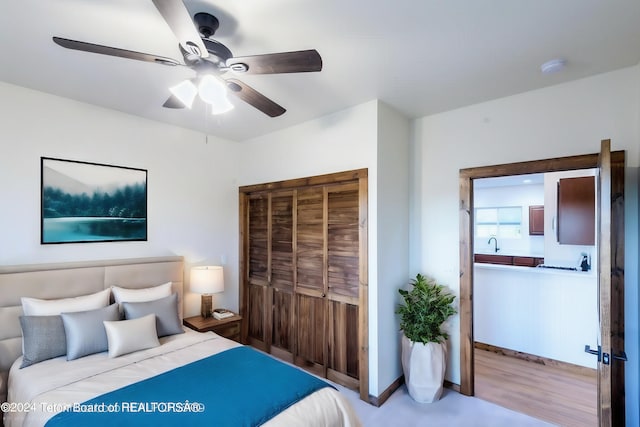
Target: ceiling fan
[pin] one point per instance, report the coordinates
(213, 62)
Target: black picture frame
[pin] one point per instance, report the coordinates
(83, 202)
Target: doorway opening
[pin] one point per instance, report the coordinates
(528, 280)
(615, 371)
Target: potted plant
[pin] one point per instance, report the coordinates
(426, 307)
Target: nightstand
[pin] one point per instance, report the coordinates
(228, 328)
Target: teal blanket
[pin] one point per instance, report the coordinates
(238, 387)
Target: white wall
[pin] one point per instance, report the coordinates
(393, 236)
(510, 196)
(563, 120)
(520, 308)
(192, 188)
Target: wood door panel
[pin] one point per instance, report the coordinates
(256, 313)
(281, 324)
(343, 338)
(343, 240)
(282, 240)
(310, 329)
(309, 239)
(258, 239)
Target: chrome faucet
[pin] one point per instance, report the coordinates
(495, 240)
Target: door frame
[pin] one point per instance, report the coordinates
(587, 161)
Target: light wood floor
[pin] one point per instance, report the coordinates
(548, 393)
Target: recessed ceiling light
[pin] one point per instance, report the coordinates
(527, 181)
(553, 66)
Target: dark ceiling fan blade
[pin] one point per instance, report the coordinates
(173, 102)
(113, 51)
(301, 61)
(254, 98)
(179, 20)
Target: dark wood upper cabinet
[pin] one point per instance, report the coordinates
(536, 220)
(576, 211)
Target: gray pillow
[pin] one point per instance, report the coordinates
(85, 332)
(43, 338)
(165, 309)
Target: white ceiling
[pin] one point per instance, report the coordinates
(419, 56)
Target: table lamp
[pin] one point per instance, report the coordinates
(207, 280)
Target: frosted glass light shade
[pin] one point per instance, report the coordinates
(212, 91)
(185, 92)
(207, 279)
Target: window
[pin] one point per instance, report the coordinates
(504, 222)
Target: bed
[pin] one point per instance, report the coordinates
(191, 378)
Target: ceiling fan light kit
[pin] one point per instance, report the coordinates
(213, 92)
(211, 61)
(210, 90)
(185, 92)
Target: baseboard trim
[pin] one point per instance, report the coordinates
(455, 387)
(379, 400)
(569, 367)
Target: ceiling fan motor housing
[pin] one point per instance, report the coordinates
(207, 24)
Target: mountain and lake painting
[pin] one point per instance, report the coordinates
(91, 202)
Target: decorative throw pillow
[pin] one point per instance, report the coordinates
(121, 295)
(44, 307)
(165, 310)
(142, 294)
(127, 336)
(43, 338)
(85, 332)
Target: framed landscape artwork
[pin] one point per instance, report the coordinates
(91, 202)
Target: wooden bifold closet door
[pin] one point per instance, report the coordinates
(301, 259)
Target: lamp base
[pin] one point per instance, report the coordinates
(206, 305)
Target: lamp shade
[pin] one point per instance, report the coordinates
(207, 279)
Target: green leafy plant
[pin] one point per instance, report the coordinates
(425, 309)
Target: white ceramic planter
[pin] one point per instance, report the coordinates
(424, 366)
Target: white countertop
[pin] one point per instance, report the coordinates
(511, 253)
(534, 270)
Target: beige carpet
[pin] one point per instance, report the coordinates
(453, 409)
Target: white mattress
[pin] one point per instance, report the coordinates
(48, 386)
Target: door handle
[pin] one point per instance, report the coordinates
(605, 357)
(598, 352)
(621, 356)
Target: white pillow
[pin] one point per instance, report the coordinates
(141, 295)
(127, 336)
(52, 307)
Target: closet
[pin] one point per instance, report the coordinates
(303, 267)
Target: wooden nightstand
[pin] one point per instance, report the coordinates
(228, 328)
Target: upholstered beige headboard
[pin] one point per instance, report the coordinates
(64, 280)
